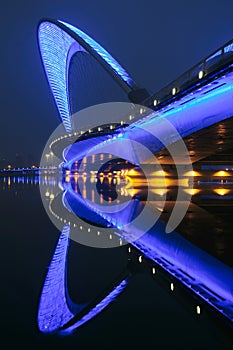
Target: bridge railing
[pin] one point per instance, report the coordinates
(206, 69)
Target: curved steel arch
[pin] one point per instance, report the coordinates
(58, 42)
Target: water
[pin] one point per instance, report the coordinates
(146, 313)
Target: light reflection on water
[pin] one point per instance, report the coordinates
(210, 208)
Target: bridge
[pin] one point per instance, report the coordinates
(198, 105)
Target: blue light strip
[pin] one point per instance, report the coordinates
(55, 46)
(53, 310)
(101, 52)
(228, 48)
(98, 308)
(208, 97)
(206, 109)
(216, 54)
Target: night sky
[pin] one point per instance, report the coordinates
(155, 41)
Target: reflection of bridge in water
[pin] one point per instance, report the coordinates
(199, 106)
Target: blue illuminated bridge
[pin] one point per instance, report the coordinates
(199, 105)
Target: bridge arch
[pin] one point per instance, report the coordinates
(58, 42)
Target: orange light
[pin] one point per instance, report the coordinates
(159, 182)
(159, 173)
(192, 191)
(92, 179)
(101, 179)
(133, 172)
(132, 192)
(221, 191)
(159, 209)
(221, 173)
(160, 191)
(192, 173)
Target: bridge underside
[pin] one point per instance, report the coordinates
(212, 140)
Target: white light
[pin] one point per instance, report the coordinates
(129, 250)
(153, 270)
(198, 309)
(140, 258)
(172, 287)
(80, 227)
(122, 122)
(201, 74)
(173, 91)
(155, 102)
(89, 230)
